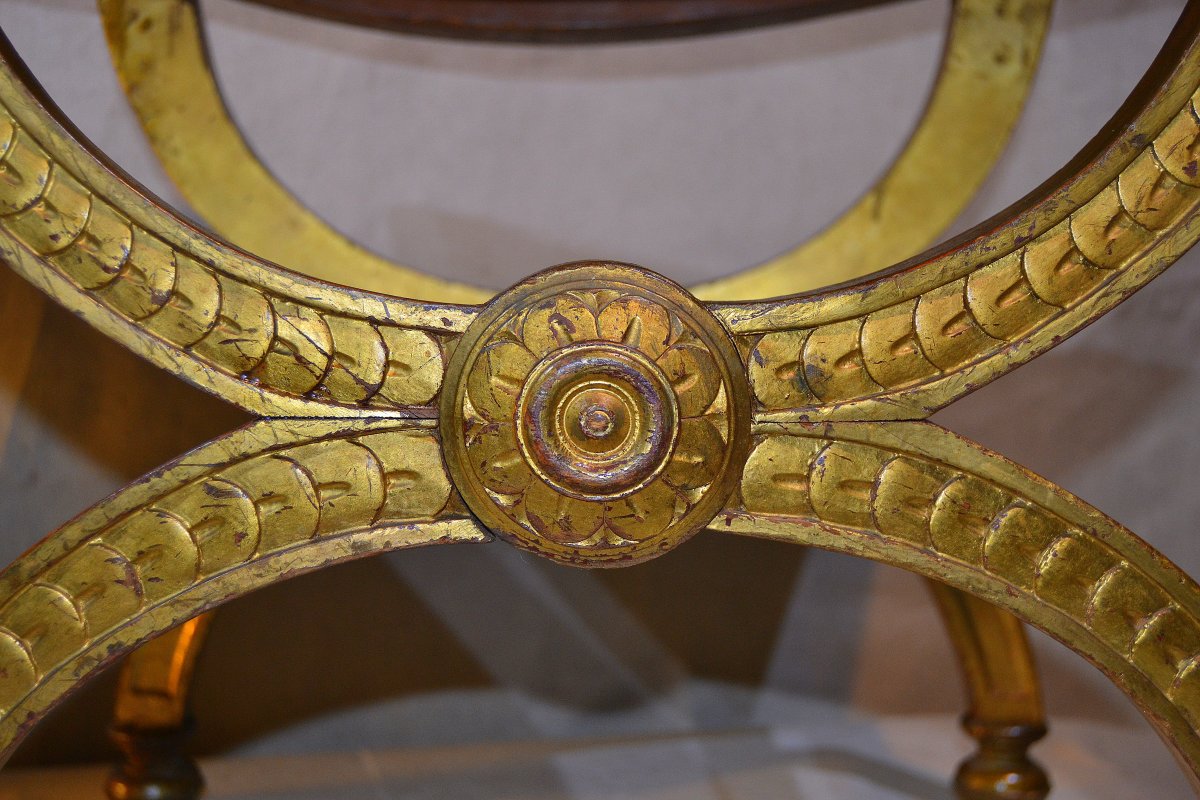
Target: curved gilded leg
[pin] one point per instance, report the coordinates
(270, 501)
(275, 343)
(916, 496)
(152, 718)
(159, 51)
(1005, 715)
(906, 342)
(992, 51)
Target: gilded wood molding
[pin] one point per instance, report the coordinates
(910, 341)
(889, 348)
(274, 342)
(917, 496)
(992, 50)
(160, 55)
(267, 502)
(598, 414)
(274, 350)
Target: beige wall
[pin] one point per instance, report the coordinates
(486, 163)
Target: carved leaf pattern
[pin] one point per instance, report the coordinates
(498, 378)
(221, 520)
(1087, 572)
(919, 339)
(280, 345)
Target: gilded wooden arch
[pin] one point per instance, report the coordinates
(283, 500)
(262, 504)
(992, 49)
(366, 444)
(916, 496)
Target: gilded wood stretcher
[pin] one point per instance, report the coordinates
(599, 414)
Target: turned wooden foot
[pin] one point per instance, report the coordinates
(1005, 715)
(151, 723)
(1001, 768)
(154, 765)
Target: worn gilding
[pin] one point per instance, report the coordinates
(595, 414)
(599, 415)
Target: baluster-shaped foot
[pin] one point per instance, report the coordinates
(154, 765)
(1001, 768)
(151, 723)
(1005, 715)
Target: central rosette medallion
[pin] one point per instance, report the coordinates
(592, 414)
(597, 420)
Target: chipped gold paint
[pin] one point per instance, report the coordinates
(904, 347)
(275, 499)
(274, 342)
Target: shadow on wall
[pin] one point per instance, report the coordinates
(1069, 408)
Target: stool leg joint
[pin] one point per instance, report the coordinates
(1001, 767)
(154, 765)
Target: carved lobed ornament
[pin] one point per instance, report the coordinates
(596, 414)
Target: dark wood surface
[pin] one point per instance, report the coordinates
(550, 21)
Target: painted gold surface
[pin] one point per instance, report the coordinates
(1004, 713)
(159, 52)
(599, 414)
(153, 688)
(992, 50)
(271, 341)
(928, 334)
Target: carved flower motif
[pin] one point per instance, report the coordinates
(598, 418)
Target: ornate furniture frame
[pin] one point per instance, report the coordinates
(596, 413)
